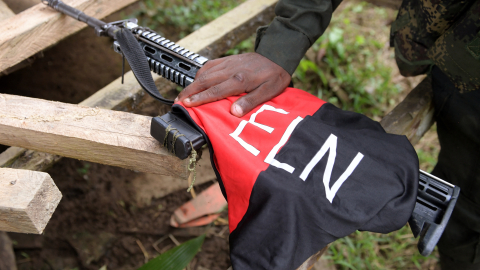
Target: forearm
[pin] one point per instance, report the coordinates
(298, 24)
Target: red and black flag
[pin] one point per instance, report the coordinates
(299, 173)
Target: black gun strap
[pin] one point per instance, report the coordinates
(138, 62)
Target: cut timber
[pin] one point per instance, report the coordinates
(27, 200)
(5, 12)
(414, 115)
(97, 135)
(130, 96)
(40, 27)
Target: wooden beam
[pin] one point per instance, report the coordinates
(412, 117)
(27, 200)
(40, 27)
(231, 28)
(130, 96)
(5, 12)
(93, 134)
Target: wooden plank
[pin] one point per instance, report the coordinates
(412, 117)
(5, 11)
(27, 200)
(93, 134)
(40, 26)
(130, 96)
(231, 28)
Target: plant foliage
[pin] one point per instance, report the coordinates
(176, 258)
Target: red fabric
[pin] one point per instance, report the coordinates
(238, 167)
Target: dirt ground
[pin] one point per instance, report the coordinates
(101, 221)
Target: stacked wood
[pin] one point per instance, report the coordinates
(40, 27)
(129, 96)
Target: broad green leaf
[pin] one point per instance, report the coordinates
(176, 258)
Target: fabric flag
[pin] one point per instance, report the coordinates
(299, 173)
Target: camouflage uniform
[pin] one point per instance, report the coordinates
(439, 37)
(442, 37)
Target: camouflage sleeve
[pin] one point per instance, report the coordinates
(298, 24)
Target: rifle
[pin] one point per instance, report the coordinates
(147, 51)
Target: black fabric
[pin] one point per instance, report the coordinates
(458, 127)
(139, 64)
(289, 219)
(296, 27)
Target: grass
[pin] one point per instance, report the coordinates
(178, 18)
(351, 66)
(366, 250)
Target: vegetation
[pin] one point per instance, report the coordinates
(176, 258)
(351, 66)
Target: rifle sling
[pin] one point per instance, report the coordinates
(139, 64)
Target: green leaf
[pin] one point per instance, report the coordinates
(176, 258)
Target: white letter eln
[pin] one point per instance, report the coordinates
(330, 144)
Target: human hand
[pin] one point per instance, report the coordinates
(233, 75)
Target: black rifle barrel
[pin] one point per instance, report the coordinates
(74, 13)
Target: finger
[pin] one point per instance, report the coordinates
(211, 66)
(262, 94)
(225, 89)
(206, 80)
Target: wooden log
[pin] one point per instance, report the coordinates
(412, 117)
(40, 27)
(5, 12)
(93, 134)
(27, 200)
(130, 96)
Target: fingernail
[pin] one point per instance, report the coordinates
(237, 110)
(176, 99)
(187, 100)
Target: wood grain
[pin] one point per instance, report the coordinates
(130, 96)
(5, 11)
(412, 117)
(27, 200)
(93, 134)
(40, 27)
